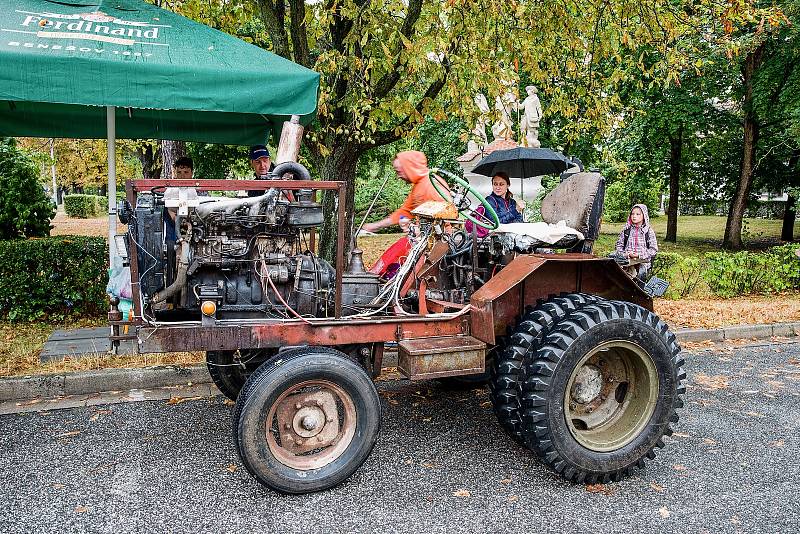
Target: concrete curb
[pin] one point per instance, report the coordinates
(86, 382)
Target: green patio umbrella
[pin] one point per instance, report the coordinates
(126, 69)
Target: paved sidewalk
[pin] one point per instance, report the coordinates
(151, 378)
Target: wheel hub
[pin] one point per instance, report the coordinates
(308, 421)
(588, 384)
(611, 395)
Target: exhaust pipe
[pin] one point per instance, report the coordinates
(180, 278)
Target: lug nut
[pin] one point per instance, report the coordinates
(572, 405)
(589, 409)
(288, 426)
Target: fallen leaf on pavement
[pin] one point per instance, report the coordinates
(679, 467)
(428, 465)
(228, 402)
(656, 487)
(57, 486)
(231, 468)
(513, 498)
(30, 402)
(178, 400)
(679, 435)
(81, 509)
(461, 493)
(486, 404)
(599, 488)
(505, 481)
(754, 414)
(708, 441)
(69, 434)
(663, 512)
(777, 443)
(712, 382)
(98, 413)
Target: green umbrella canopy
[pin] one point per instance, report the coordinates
(62, 62)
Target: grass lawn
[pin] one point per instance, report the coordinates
(700, 234)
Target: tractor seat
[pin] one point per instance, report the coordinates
(571, 214)
(578, 201)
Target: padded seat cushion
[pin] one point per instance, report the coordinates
(572, 200)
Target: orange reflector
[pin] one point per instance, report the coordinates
(208, 307)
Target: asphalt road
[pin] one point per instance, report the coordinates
(154, 466)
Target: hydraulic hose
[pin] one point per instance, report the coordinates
(180, 278)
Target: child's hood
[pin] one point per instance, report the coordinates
(645, 212)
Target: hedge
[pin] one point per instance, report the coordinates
(53, 277)
(84, 206)
(731, 274)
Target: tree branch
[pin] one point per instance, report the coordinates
(385, 137)
(389, 80)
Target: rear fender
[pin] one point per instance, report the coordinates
(498, 303)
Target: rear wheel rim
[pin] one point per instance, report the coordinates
(611, 395)
(310, 425)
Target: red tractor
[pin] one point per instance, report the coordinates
(580, 369)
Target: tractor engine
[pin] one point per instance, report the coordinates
(230, 258)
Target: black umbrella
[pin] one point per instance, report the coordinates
(523, 162)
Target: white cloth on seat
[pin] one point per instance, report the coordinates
(541, 231)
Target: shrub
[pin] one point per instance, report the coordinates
(624, 193)
(84, 206)
(52, 277)
(745, 273)
(25, 210)
(684, 273)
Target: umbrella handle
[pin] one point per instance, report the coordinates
(490, 221)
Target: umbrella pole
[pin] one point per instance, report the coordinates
(111, 130)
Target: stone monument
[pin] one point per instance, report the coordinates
(479, 140)
(529, 123)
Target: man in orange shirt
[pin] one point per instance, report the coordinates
(412, 167)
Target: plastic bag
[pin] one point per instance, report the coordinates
(119, 280)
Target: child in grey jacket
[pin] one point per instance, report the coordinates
(637, 240)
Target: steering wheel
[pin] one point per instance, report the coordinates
(488, 220)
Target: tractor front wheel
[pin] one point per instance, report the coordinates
(310, 418)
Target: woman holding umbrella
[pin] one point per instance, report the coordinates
(502, 201)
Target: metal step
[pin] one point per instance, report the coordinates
(437, 357)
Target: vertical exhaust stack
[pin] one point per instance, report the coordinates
(289, 144)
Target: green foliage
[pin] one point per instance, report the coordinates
(744, 273)
(625, 192)
(25, 210)
(52, 277)
(218, 162)
(84, 206)
(441, 142)
(533, 211)
(684, 273)
(373, 168)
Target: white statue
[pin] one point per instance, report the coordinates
(529, 123)
(503, 104)
(479, 132)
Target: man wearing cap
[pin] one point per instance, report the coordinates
(262, 165)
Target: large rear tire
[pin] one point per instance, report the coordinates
(310, 419)
(601, 391)
(504, 384)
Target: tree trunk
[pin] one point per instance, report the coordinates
(339, 166)
(790, 214)
(733, 227)
(170, 152)
(148, 157)
(789, 217)
(675, 149)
